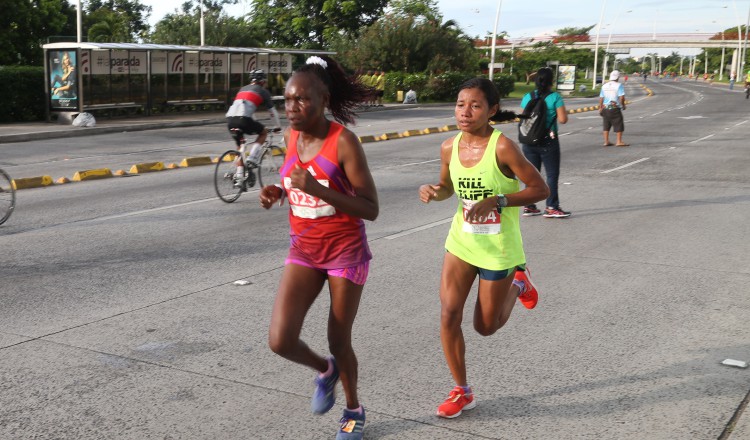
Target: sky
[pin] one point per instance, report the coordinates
(477, 17)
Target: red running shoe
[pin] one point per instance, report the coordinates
(529, 296)
(456, 402)
(531, 210)
(555, 213)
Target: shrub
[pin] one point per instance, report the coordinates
(442, 87)
(22, 88)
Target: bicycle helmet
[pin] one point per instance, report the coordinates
(258, 76)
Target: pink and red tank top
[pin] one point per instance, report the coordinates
(319, 234)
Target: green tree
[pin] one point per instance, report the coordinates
(410, 38)
(570, 31)
(126, 20)
(108, 27)
(25, 25)
(313, 23)
(183, 27)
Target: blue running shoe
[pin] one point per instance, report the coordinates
(352, 426)
(325, 390)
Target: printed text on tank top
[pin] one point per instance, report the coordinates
(304, 205)
(471, 190)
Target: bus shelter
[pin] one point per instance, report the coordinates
(154, 78)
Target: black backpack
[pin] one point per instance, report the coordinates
(533, 129)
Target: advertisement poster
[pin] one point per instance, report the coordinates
(63, 79)
(566, 77)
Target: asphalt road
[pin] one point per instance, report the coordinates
(120, 318)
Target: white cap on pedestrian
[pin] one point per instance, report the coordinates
(614, 76)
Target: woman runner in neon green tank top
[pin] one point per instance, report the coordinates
(482, 167)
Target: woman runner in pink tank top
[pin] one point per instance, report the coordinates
(330, 191)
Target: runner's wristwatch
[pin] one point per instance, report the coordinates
(502, 202)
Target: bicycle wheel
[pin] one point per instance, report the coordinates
(270, 166)
(7, 197)
(224, 177)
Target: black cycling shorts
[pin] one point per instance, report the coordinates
(247, 125)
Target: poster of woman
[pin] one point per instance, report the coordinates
(63, 79)
(566, 77)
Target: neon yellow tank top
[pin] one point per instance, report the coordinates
(493, 243)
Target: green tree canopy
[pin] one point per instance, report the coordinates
(25, 25)
(410, 44)
(125, 20)
(313, 23)
(183, 27)
(570, 31)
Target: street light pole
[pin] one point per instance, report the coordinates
(78, 21)
(596, 45)
(203, 26)
(494, 39)
(747, 25)
(609, 39)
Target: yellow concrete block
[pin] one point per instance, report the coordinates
(430, 130)
(172, 166)
(452, 127)
(148, 167)
(62, 180)
(195, 161)
(366, 139)
(32, 182)
(102, 173)
(408, 133)
(120, 173)
(392, 135)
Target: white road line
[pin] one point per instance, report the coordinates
(415, 163)
(146, 211)
(420, 228)
(740, 123)
(565, 134)
(626, 165)
(703, 138)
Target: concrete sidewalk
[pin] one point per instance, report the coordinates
(30, 131)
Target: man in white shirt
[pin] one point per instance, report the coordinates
(611, 105)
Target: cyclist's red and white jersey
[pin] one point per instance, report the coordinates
(248, 100)
(320, 235)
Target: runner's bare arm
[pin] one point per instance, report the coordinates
(444, 189)
(352, 159)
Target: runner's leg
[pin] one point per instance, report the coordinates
(345, 298)
(455, 285)
(298, 290)
(495, 302)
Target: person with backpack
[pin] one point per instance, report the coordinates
(542, 109)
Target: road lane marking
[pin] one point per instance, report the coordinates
(703, 138)
(419, 228)
(626, 165)
(415, 163)
(146, 211)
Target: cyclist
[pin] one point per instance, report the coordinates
(240, 115)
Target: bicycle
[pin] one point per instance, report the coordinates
(266, 171)
(7, 196)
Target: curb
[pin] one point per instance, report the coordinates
(148, 167)
(85, 131)
(31, 182)
(195, 161)
(102, 173)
